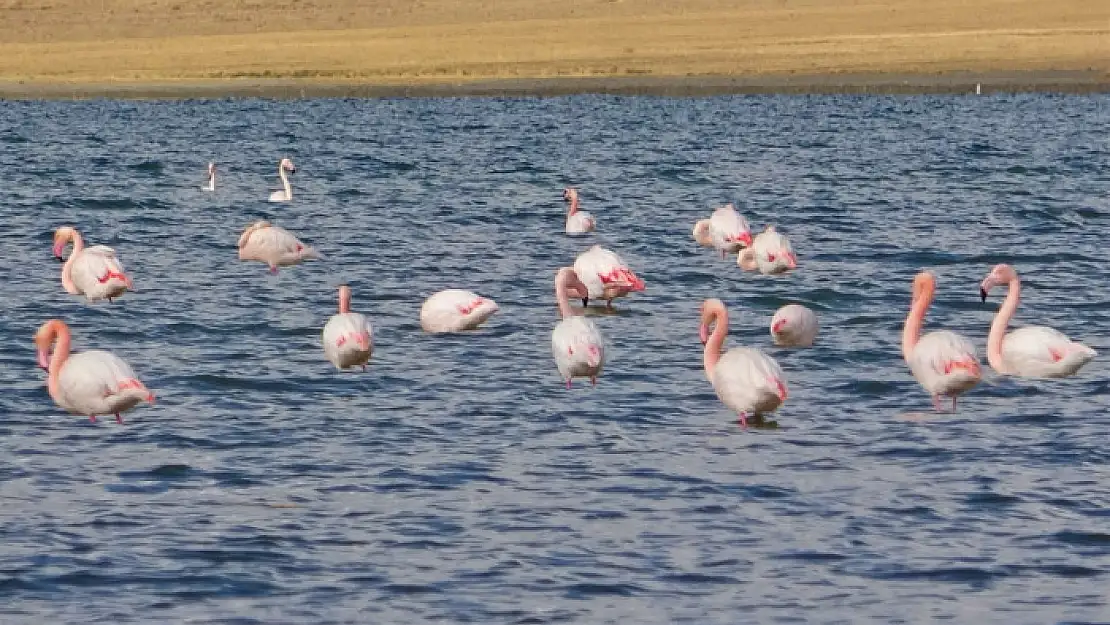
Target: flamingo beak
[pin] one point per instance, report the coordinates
(585, 302)
(982, 295)
(44, 359)
(703, 334)
(59, 247)
(778, 325)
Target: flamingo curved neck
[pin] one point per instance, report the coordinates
(561, 295)
(67, 267)
(911, 332)
(1001, 322)
(716, 340)
(285, 183)
(573, 206)
(59, 337)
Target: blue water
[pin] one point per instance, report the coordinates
(457, 481)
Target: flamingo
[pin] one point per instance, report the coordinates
(701, 233)
(794, 326)
(94, 271)
(943, 362)
(770, 253)
(211, 186)
(1031, 351)
(576, 342)
(348, 337)
(729, 230)
(273, 245)
(578, 222)
(748, 381)
(455, 310)
(286, 192)
(605, 275)
(93, 382)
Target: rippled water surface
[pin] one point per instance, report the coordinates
(457, 480)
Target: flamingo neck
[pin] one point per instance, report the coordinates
(1001, 321)
(573, 206)
(67, 267)
(747, 259)
(561, 295)
(912, 329)
(344, 303)
(716, 340)
(60, 339)
(285, 183)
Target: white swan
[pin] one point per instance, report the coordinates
(286, 194)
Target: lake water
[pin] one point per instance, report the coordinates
(457, 481)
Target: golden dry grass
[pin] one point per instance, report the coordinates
(447, 41)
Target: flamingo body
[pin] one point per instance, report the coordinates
(455, 310)
(749, 382)
(273, 245)
(769, 254)
(94, 272)
(605, 275)
(945, 364)
(348, 340)
(580, 222)
(729, 230)
(578, 348)
(794, 326)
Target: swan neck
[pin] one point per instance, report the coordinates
(1001, 322)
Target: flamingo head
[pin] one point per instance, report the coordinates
(63, 235)
(288, 166)
(44, 340)
(570, 194)
(924, 285)
(999, 275)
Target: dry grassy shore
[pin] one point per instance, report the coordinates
(211, 48)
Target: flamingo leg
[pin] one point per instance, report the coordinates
(119, 419)
(723, 254)
(364, 367)
(109, 300)
(953, 403)
(273, 269)
(92, 418)
(568, 384)
(936, 403)
(609, 304)
(743, 419)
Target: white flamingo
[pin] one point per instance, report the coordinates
(348, 336)
(578, 221)
(211, 186)
(769, 254)
(605, 275)
(748, 381)
(273, 245)
(89, 383)
(576, 343)
(1031, 351)
(729, 230)
(94, 271)
(943, 362)
(286, 192)
(455, 310)
(794, 326)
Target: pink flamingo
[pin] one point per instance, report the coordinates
(729, 230)
(576, 343)
(748, 381)
(578, 221)
(348, 337)
(943, 362)
(455, 310)
(605, 275)
(93, 382)
(770, 253)
(94, 271)
(273, 245)
(794, 326)
(1031, 351)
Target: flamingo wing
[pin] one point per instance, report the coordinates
(749, 381)
(87, 378)
(95, 267)
(1043, 351)
(348, 339)
(945, 363)
(729, 229)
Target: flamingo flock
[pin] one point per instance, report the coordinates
(747, 380)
